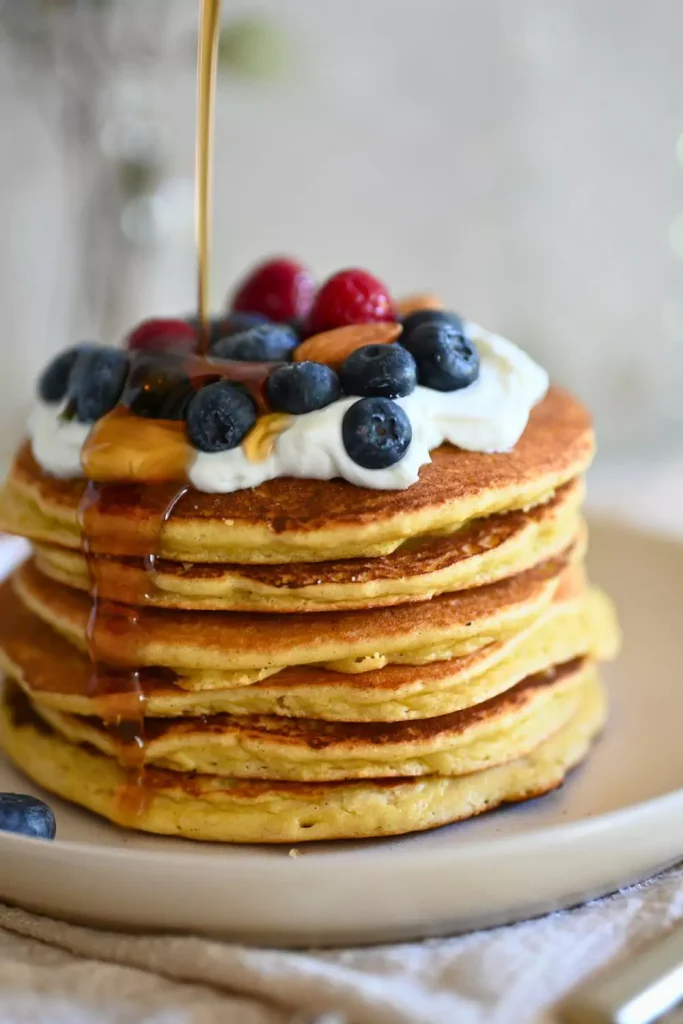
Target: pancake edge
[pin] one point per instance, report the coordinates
(294, 813)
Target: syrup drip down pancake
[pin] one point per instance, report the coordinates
(301, 582)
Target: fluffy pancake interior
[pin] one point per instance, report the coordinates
(235, 641)
(504, 728)
(578, 622)
(482, 552)
(216, 809)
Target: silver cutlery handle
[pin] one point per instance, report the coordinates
(638, 991)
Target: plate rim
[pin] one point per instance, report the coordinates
(250, 854)
(557, 833)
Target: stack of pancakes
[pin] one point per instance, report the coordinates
(308, 659)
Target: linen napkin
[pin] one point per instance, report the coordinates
(56, 973)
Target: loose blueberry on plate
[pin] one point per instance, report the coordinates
(163, 335)
(280, 288)
(298, 388)
(376, 433)
(54, 380)
(388, 371)
(266, 343)
(219, 415)
(158, 387)
(26, 815)
(446, 359)
(430, 316)
(96, 382)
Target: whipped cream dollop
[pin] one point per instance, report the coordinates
(488, 416)
(57, 442)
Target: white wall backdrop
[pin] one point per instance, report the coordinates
(518, 157)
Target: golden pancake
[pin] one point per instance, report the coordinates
(309, 750)
(204, 807)
(303, 520)
(54, 673)
(233, 641)
(482, 552)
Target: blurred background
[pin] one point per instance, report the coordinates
(524, 160)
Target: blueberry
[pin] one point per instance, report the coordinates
(158, 387)
(230, 323)
(96, 382)
(54, 380)
(266, 343)
(219, 415)
(302, 387)
(216, 327)
(26, 815)
(298, 325)
(385, 370)
(446, 359)
(236, 323)
(429, 316)
(376, 432)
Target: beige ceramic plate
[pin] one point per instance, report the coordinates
(618, 819)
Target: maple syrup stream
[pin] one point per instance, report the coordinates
(207, 58)
(119, 693)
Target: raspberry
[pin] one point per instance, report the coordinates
(281, 289)
(163, 336)
(350, 297)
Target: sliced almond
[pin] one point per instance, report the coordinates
(332, 347)
(260, 441)
(425, 300)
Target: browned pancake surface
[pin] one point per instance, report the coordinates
(131, 636)
(556, 445)
(129, 579)
(316, 734)
(49, 664)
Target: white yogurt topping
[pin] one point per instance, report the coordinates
(56, 442)
(488, 416)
